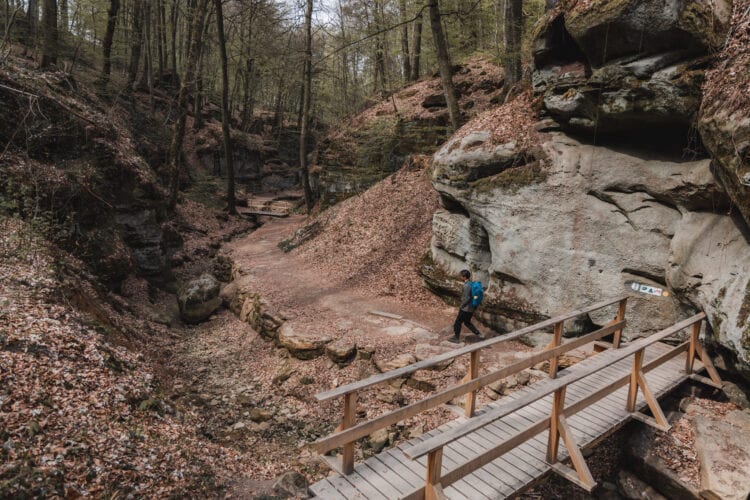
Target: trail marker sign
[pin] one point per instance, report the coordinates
(647, 289)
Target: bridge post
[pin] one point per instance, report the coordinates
(433, 489)
(558, 405)
(471, 397)
(638, 380)
(696, 349)
(620, 316)
(350, 412)
(556, 340)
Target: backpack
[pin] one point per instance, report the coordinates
(477, 293)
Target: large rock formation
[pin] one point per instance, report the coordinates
(621, 65)
(549, 222)
(724, 121)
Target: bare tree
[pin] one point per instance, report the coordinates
(136, 42)
(114, 8)
(186, 86)
(406, 58)
(307, 90)
(416, 47)
(513, 15)
(49, 40)
(225, 116)
(444, 64)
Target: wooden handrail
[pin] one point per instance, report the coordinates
(439, 441)
(436, 360)
(365, 428)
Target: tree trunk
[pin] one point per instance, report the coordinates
(247, 98)
(307, 90)
(225, 116)
(63, 13)
(160, 36)
(406, 58)
(174, 18)
(513, 16)
(49, 40)
(32, 22)
(186, 85)
(416, 48)
(145, 83)
(114, 8)
(444, 64)
(136, 43)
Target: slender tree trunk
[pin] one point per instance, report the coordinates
(160, 36)
(444, 64)
(63, 14)
(32, 22)
(247, 98)
(513, 16)
(136, 43)
(406, 58)
(416, 48)
(225, 116)
(147, 44)
(186, 85)
(174, 18)
(114, 8)
(49, 40)
(307, 90)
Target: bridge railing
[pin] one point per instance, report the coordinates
(556, 421)
(349, 431)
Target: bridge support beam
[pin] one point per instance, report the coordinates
(559, 428)
(696, 349)
(471, 397)
(638, 381)
(556, 341)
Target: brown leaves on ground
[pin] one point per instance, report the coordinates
(728, 84)
(513, 121)
(677, 446)
(377, 238)
(80, 416)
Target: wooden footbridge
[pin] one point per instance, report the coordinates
(509, 445)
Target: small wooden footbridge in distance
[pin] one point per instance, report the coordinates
(507, 446)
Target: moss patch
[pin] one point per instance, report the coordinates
(512, 179)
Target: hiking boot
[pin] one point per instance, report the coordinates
(454, 339)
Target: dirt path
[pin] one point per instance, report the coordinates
(258, 399)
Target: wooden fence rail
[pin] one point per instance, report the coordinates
(556, 422)
(349, 431)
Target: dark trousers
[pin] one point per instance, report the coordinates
(464, 318)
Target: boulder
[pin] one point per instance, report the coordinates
(632, 488)
(199, 298)
(652, 469)
(434, 101)
(291, 484)
(228, 294)
(399, 361)
(341, 351)
(223, 268)
(723, 451)
(427, 351)
(302, 345)
(378, 440)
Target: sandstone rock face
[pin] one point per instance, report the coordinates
(397, 362)
(617, 65)
(724, 121)
(199, 298)
(302, 345)
(563, 223)
(724, 455)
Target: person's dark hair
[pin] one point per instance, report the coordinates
(465, 273)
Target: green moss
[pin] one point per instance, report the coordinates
(512, 179)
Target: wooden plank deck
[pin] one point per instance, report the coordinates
(391, 474)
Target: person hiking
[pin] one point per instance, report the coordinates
(470, 299)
